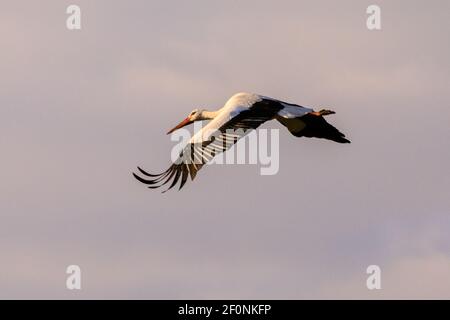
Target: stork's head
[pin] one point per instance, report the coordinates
(195, 115)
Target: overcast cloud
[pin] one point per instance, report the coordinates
(80, 109)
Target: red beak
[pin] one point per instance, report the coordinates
(183, 123)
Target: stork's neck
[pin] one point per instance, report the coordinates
(208, 115)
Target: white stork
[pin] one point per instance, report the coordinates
(240, 114)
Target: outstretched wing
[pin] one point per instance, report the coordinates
(224, 134)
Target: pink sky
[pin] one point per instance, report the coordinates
(80, 109)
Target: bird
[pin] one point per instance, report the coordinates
(242, 113)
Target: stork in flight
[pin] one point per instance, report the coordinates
(242, 113)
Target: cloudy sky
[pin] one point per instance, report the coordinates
(80, 109)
